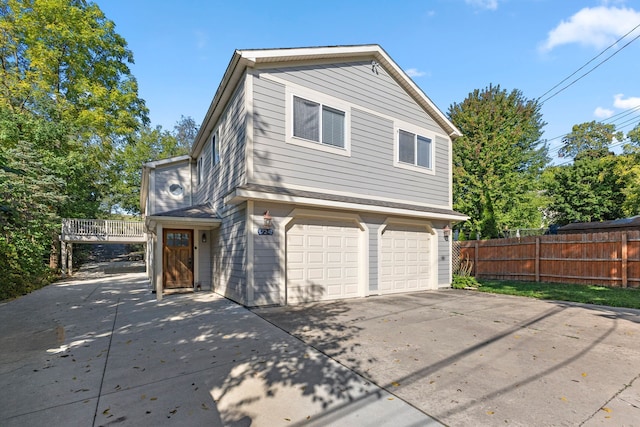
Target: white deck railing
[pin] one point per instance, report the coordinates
(101, 229)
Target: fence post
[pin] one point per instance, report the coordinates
(537, 263)
(624, 259)
(475, 259)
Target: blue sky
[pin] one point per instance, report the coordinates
(448, 47)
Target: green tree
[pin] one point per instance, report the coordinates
(590, 136)
(498, 160)
(185, 131)
(628, 172)
(67, 99)
(32, 191)
(587, 190)
(62, 60)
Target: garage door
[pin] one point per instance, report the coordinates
(405, 259)
(322, 261)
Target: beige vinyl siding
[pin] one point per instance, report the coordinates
(229, 257)
(369, 170)
(164, 176)
(218, 180)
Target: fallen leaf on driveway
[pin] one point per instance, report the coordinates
(395, 384)
(608, 410)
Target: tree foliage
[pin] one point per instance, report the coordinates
(587, 190)
(67, 99)
(586, 137)
(498, 160)
(62, 60)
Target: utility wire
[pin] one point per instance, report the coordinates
(589, 62)
(542, 101)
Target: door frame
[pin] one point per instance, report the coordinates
(191, 245)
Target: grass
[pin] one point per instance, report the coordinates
(587, 294)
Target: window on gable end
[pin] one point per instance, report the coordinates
(318, 123)
(199, 170)
(415, 150)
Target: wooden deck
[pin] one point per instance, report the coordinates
(102, 231)
(96, 231)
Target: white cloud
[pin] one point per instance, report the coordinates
(414, 72)
(596, 27)
(483, 4)
(202, 39)
(603, 113)
(625, 104)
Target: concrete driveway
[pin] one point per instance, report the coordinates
(99, 350)
(470, 359)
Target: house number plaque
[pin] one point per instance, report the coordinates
(265, 231)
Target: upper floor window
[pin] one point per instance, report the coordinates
(199, 170)
(414, 149)
(318, 123)
(215, 148)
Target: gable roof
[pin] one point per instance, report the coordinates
(242, 59)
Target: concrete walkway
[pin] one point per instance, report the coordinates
(474, 359)
(99, 350)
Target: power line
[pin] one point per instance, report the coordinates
(541, 102)
(589, 62)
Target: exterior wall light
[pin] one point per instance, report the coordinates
(267, 220)
(204, 237)
(446, 232)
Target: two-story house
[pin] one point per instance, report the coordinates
(318, 173)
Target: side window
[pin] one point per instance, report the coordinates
(215, 148)
(414, 148)
(199, 170)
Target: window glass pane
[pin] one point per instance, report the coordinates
(215, 149)
(424, 152)
(332, 127)
(406, 147)
(306, 119)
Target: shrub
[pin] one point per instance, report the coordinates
(464, 282)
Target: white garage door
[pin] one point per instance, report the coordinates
(322, 261)
(405, 259)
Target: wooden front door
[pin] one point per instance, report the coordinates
(177, 259)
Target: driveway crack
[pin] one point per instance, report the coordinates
(104, 370)
(626, 386)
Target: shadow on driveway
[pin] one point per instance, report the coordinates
(480, 359)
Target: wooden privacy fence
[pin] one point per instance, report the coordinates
(610, 259)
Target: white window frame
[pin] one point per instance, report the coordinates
(325, 101)
(215, 148)
(416, 131)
